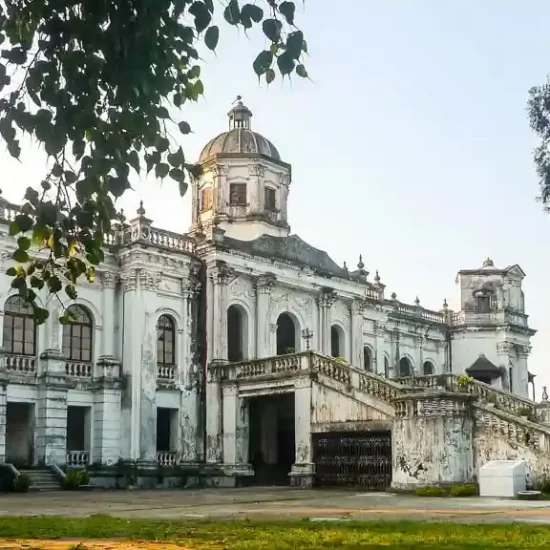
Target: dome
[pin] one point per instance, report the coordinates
(239, 138)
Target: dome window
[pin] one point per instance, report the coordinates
(270, 200)
(237, 194)
(206, 199)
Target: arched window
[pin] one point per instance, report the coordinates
(405, 368)
(286, 334)
(428, 368)
(77, 335)
(236, 333)
(19, 331)
(166, 340)
(367, 359)
(337, 343)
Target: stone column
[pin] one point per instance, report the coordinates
(504, 356)
(51, 410)
(396, 352)
(432, 440)
(3, 411)
(220, 276)
(356, 358)
(235, 436)
(264, 286)
(421, 342)
(303, 469)
(521, 372)
(325, 301)
(108, 304)
(380, 333)
(107, 408)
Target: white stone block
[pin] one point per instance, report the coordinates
(502, 478)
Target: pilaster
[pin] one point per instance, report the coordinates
(107, 411)
(356, 334)
(380, 335)
(264, 286)
(220, 276)
(108, 304)
(51, 413)
(504, 358)
(3, 408)
(303, 470)
(325, 301)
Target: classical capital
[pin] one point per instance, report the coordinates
(190, 289)
(129, 280)
(358, 307)
(108, 279)
(222, 274)
(150, 280)
(256, 170)
(327, 297)
(218, 170)
(379, 329)
(504, 348)
(264, 283)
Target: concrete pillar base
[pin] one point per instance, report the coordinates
(302, 475)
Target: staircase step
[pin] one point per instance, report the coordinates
(42, 480)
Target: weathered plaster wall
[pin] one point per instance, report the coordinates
(432, 441)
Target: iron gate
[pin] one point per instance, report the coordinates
(351, 459)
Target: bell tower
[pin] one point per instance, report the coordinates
(244, 185)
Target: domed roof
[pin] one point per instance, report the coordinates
(239, 138)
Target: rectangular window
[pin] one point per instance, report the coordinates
(270, 200)
(206, 199)
(237, 194)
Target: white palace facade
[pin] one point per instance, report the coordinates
(238, 353)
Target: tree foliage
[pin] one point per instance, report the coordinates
(96, 84)
(539, 117)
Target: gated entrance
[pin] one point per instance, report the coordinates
(353, 459)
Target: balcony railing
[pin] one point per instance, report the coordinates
(21, 364)
(166, 372)
(78, 458)
(167, 458)
(79, 369)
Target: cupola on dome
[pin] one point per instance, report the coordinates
(240, 139)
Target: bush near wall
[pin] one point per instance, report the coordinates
(466, 490)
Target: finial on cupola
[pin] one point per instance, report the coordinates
(140, 211)
(445, 304)
(417, 301)
(377, 278)
(361, 265)
(345, 267)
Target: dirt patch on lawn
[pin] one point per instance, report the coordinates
(82, 544)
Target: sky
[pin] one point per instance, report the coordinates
(410, 145)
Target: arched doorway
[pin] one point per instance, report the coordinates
(337, 343)
(237, 331)
(286, 334)
(428, 368)
(405, 367)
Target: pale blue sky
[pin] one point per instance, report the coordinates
(411, 145)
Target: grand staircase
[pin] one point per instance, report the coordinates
(42, 479)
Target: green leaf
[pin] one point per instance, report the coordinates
(272, 29)
(40, 315)
(176, 159)
(11, 272)
(198, 87)
(251, 11)
(23, 243)
(182, 188)
(269, 76)
(202, 15)
(262, 62)
(21, 256)
(286, 63)
(301, 71)
(288, 9)
(161, 170)
(54, 284)
(177, 174)
(184, 127)
(24, 223)
(70, 291)
(232, 13)
(212, 37)
(133, 160)
(294, 44)
(36, 282)
(70, 177)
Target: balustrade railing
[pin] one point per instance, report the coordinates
(167, 458)
(78, 458)
(21, 364)
(166, 372)
(79, 369)
(420, 312)
(486, 393)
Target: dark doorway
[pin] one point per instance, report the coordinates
(272, 438)
(335, 341)
(20, 433)
(164, 429)
(286, 334)
(236, 334)
(353, 460)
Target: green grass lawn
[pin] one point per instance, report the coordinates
(249, 535)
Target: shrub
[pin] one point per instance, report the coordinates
(468, 490)
(464, 382)
(22, 483)
(288, 351)
(75, 479)
(431, 492)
